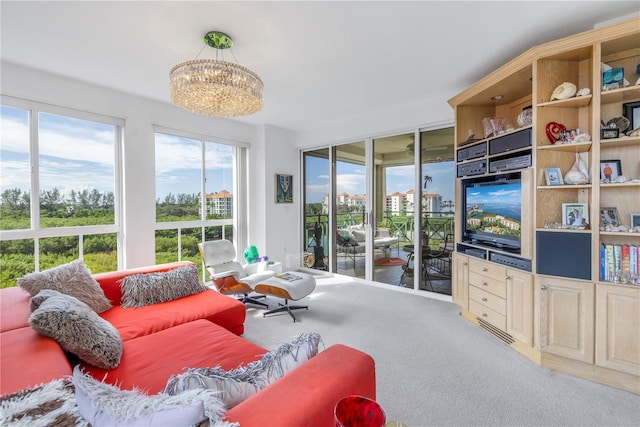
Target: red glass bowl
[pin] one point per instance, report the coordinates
(358, 411)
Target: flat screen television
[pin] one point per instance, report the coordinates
(492, 211)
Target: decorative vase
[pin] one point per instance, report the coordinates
(358, 411)
(574, 176)
(582, 166)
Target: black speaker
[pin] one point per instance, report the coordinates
(510, 142)
(564, 254)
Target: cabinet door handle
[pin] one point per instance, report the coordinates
(484, 269)
(484, 315)
(465, 263)
(484, 284)
(543, 287)
(484, 299)
(507, 277)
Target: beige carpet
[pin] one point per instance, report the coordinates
(434, 368)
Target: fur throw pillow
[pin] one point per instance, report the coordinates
(151, 288)
(238, 384)
(77, 328)
(106, 405)
(50, 404)
(72, 279)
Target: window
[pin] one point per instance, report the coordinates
(195, 200)
(59, 194)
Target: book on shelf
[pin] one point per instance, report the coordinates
(618, 258)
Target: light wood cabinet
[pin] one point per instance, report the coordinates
(460, 280)
(520, 304)
(564, 308)
(618, 328)
(567, 318)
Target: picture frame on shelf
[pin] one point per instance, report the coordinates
(631, 110)
(609, 216)
(553, 176)
(609, 133)
(610, 170)
(575, 214)
(284, 188)
(635, 220)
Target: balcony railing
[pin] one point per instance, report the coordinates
(436, 225)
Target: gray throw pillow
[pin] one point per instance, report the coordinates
(78, 329)
(240, 383)
(139, 290)
(72, 279)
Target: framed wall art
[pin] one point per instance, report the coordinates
(284, 188)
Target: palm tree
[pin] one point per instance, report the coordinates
(427, 179)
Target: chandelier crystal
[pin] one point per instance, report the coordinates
(216, 87)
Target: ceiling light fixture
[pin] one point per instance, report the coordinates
(216, 87)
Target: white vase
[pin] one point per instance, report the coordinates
(581, 165)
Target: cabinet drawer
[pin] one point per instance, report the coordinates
(486, 268)
(494, 285)
(485, 313)
(495, 303)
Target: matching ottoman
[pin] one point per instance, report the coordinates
(291, 285)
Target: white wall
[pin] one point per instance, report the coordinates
(139, 165)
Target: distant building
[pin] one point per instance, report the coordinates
(396, 204)
(220, 203)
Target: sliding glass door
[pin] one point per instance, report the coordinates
(349, 216)
(393, 208)
(374, 207)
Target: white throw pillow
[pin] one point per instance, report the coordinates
(104, 405)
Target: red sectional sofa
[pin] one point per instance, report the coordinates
(164, 339)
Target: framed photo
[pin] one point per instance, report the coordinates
(575, 214)
(609, 133)
(553, 176)
(284, 188)
(631, 110)
(610, 170)
(609, 216)
(635, 219)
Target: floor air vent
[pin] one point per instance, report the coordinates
(502, 335)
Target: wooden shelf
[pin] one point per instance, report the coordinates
(618, 185)
(619, 234)
(628, 93)
(563, 187)
(619, 142)
(575, 102)
(564, 230)
(577, 147)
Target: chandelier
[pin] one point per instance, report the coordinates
(216, 87)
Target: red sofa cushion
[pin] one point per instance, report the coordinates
(311, 391)
(148, 362)
(110, 281)
(210, 305)
(28, 359)
(14, 308)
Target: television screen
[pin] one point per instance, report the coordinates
(493, 212)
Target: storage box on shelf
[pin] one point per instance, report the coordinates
(562, 313)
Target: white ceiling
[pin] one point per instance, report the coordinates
(322, 63)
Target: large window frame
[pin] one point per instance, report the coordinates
(36, 231)
(239, 191)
